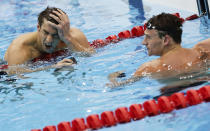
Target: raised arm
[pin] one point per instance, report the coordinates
(72, 37)
(79, 41)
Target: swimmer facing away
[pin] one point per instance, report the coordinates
(163, 38)
(54, 33)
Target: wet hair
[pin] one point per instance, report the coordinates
(166, 24)
(46, 14)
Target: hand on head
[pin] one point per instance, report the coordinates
(63, 25)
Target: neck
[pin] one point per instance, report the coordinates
(171, 47)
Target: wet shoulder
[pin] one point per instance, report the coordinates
(203, 48)
(181, 59)
(26, 39)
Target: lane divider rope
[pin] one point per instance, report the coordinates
(164, 104)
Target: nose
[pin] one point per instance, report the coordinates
(144, 41)
(49, 39)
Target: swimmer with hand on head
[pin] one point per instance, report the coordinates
(54, 33)
(163, 38)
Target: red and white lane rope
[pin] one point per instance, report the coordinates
(164, 104)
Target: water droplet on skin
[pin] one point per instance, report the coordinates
(169, 67)
(189, 63)
(145, 73)
(158, 70)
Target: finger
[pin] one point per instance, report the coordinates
(121, 75)
(53, 25)
(57, 18)
(67, 60)
(60, 14)
(67, 64)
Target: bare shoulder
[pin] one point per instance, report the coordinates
(203, 49)
(24, 39)
(203, 45)
(18, 50)
(149, 68)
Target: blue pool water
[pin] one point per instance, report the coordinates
(47, 97)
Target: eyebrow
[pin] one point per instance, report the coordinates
(147, 35)
(51, 34)
(46, 31)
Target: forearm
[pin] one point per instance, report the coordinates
(80, 45)
(24, 69)
(77, 41)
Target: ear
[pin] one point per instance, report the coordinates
(166, 39)
(38, 27)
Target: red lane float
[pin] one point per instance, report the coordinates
(205, 92)
(136, 112)
(64, 126)
(3, 67)
(112, 38)
(176, 14)
(192, 17)
(164, 104)
(179, 100)
(122, 115)
(99, 43)
(49, 128)
(78, 124)
(108, 119)
(193, 97)
(124, 35)
(151, 108)
(94, 122)
(137, 31)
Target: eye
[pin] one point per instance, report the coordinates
(46, 33)
(55, 35)
(147, 37)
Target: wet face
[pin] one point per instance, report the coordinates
(153, 42)
(48, 36)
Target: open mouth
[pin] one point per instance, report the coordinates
(48, 45)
